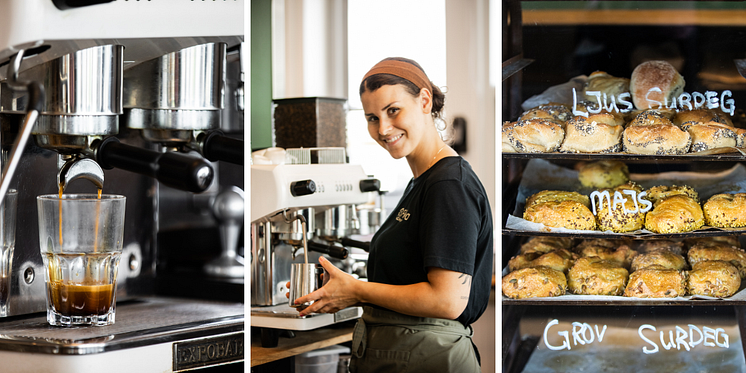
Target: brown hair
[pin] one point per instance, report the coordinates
(375, 81)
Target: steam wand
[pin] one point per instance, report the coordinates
(303, 228)
(35, 100)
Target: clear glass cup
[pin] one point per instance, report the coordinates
(7, 244)
(81, 237)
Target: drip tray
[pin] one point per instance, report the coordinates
(285, 317)
(152, 333)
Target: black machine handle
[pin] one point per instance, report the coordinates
(355, 243)
(177, 170)
(218, 147)
(333, 251)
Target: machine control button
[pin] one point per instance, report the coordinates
(29, 275)
(302, 188)
(370, 185)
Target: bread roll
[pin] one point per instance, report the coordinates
(621, 255)
(660, 192)
(559, 259)
(599, 133)
(711, 135)
(551, 111)
(545, 244)
(704, 252)
(654, 84)
(600, 81)
(534, 135)
(697, 116)
(617, 219)
(603, 174)
(675, 214)
(534, 282)
(740, 137)
(647, 246)
(596, 276)
(506, 134)
(656, 282)
(560, 209)
(726, 210)
(655, 135)
(663, 258)
(714, 278)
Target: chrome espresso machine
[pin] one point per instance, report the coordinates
(293, 189)
(143, 99)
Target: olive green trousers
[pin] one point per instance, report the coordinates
(386, 341)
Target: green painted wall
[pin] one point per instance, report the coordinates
(261, 74)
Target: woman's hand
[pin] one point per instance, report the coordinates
(338, 293)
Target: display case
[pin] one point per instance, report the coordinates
(550, 49)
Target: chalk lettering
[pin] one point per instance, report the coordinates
(648, 204)
(681, 338)
(671, 343)
(685, 101)
(692, 328)
(618, 199)
(655, 103)
(632, 194)
(565, 334)
(600, 196)
(579, 333)
(645, 349)
(601, 334)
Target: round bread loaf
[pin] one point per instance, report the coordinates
(740, 137)
(535, 135)
(534, 282)
(656, 282)
(557, 196)
(566, 214)
(675, 214)
(596, 276)
(726, 210)
(655, 84)
(603, 174)
(621, 255)
(714, 278)
(599, 133)
(545, 244)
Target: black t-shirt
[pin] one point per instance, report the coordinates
(443, 220)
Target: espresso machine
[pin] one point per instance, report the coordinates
(302, 200)
(145, 100)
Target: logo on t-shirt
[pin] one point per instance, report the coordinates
(403, 215)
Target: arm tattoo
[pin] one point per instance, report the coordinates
(466, 278)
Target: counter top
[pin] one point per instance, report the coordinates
(304, 341)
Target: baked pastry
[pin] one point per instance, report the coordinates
(713, 251)
(600, 242)
(621, 255)
(726, 210)
(545, 244)
(664, 258)
(599, 133)
(713, 241)
(534, 282)
(740, 137)
(675, 214)
(697, 116)
(620, 218)
(506, 131)
(711, 135)
(652, 133)
(600, 81)
(713, 278)
(656, 281)
(655, 84)
(535, 135)
(596, 276)
(559, 259)
(561, 210)
(660, 192)
(557, 196)
(551, 111)
(603, 174)
(646, 246)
